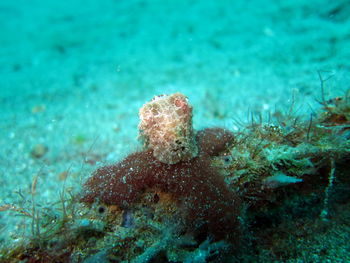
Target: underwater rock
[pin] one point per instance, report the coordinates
(38, 151)
(200, 190)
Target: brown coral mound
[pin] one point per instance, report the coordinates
(201, 191)
(214, 141)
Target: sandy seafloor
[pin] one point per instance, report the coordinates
(73, 75)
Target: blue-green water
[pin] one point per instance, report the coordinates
(73, 75)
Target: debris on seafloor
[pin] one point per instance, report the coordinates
(207, 196)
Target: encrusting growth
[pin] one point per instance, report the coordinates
(175, 162)
(166, 128)
(290, 175)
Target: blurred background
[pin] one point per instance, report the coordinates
(73, 75)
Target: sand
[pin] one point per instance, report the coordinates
(73, 75)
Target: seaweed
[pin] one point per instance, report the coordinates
(289, 174)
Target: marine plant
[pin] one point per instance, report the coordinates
(174, 162)
(193, 196)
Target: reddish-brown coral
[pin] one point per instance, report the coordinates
(200, 190)
(213, 141)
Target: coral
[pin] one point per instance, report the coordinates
(202, 194)
(213, 141)
(170, 164)
(291, 176)
(166, 128)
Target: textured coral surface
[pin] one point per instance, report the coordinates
(202, 194)
(166, 128)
